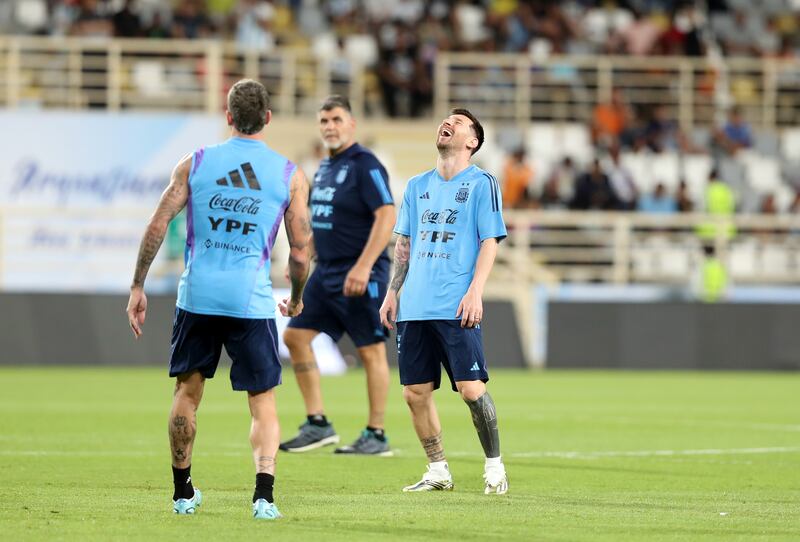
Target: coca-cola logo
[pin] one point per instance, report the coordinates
(447, 216)
(247, 205)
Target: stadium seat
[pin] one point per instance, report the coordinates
(696, 168)
(763, 173)
(790, 144)
(149, 78)
(637, 164)
(664, 169)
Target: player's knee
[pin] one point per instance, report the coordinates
(416, 396)
(190, 388)
(294, 339)
(471, 391)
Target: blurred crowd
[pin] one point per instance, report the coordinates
(399, 40)
(606, 184)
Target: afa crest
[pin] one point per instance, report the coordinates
(341, 176)
(462, 195)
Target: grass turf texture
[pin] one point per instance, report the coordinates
(83, 456)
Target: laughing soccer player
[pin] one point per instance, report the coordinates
(449, 227)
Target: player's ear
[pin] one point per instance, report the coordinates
(267, 117)
(229, 117)
(472, 144)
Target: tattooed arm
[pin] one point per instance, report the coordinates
(402, 253)
(298, 229)
(172, 201)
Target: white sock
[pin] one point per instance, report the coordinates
(440, 466)
(493, 462)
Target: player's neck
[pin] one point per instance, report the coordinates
(240, 135)
(335, 152)
(451, 165)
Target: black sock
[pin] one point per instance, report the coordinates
(379, 434)
(318, 419)
(182, 478)
(264, 483)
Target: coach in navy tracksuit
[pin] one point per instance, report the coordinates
(352, 215)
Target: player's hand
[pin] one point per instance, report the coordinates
(470, 310)
(388, 310)
(355, 283)
(289, 307)
(137, 308)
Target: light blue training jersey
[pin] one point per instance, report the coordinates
(446, 221)
(238, 193)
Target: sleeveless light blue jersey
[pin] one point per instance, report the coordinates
(446, 221)
(238, 193)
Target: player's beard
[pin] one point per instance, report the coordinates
(333, 145)
(445, 149)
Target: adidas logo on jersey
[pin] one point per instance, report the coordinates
(475, 367)
(236, 178)
(425, 196)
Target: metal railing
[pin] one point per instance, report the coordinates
(627, 248)
(566, 88)
(194, 75)
(162, 75)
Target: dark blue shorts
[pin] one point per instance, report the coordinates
(326, 309)
(252, 344)
(424, 346)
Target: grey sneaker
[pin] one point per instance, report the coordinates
(367, 444)
(311, 437)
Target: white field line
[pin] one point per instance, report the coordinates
(543, 455)
(657, 453)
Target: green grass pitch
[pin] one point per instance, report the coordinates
(590, 455)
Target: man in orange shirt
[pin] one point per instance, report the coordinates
(517, 176)
(609, 119)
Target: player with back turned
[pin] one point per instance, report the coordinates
(449, 227)
(236, 194)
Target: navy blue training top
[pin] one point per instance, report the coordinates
(347, 190)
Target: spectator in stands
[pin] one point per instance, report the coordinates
(659, 202)
(768, 205)
(551, 23)
(157, 28)
(593, 191)
(638, 38)
(720, 202)
(610, 119)
(662, 132)
(253, 26)
(682, 37)
(736, 134)
(795, 206)
(91, 22)
(621, 181)
(126, 21)
(683, 199)
(550, 199)
(191, 21)
(560, 186)
(517, 179)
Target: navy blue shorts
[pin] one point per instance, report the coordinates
(326, 309)
(424, 346)
(252, 344)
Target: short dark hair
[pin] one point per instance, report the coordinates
(476, 126)
(248, 103)
(336, 100)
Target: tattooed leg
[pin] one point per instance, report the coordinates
(264, 431)
(419, 398)
(182, 418)
(298, 341)
(484, 417)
